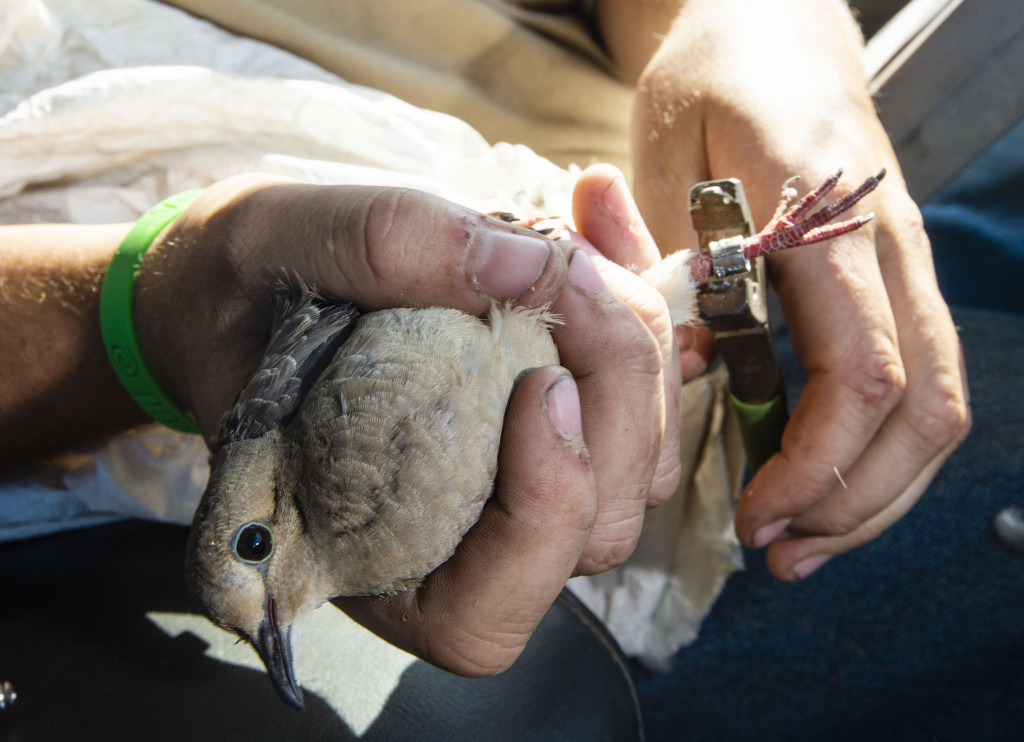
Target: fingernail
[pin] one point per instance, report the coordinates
(508, 264)
(583, 274)
(808, 566)
(618, 202)
(766, 534)
(564, 408)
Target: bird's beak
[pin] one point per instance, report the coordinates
(275, 649)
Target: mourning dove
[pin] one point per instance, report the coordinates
(366, 482)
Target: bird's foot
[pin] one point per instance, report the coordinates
(549, 226)
(793, 226)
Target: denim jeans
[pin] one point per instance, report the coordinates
(916, 636)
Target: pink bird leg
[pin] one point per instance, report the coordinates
(794, 226)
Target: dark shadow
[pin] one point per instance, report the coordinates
(88, 664)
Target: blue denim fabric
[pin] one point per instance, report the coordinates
(920, 634)
(976, 225)
(916, 636)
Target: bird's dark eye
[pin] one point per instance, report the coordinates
(253, 543)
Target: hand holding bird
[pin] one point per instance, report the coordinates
(204, 311)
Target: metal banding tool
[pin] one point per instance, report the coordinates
(732, 303)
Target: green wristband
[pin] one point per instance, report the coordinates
(117, 315)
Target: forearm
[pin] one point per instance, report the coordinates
(57, 387)
(634, 30)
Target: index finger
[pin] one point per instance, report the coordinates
(382, 247)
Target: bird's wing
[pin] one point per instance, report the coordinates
(306, 334)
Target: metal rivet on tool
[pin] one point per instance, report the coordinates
(7, 695)
(1009, 527)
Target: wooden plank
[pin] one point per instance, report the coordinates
(951, 90)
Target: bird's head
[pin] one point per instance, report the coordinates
(248, 562)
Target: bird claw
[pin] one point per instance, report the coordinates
(553, 227)
(786, 199)
(792, 226)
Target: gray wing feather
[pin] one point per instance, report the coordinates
(306, 334)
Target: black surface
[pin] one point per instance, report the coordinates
(88, 664)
